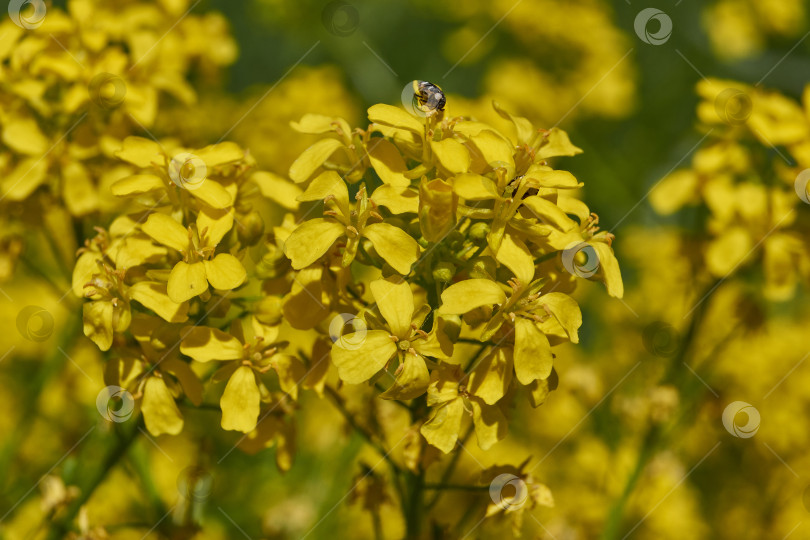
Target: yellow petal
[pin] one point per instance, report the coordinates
(494, 150)
(277, 189)
(394, 245)
(291, 373)
(205, 344)
(388, 163)
(325, 184)
(360, 357)
(86, 266)
(557, 144)
(490, 424)
(532, 356)
(136, 184)
(21, 181)
(213, 224)
(167, 231)
(153, 295)
(397, 199)
(525, 130)
(412, 379)
(545, 177)
(221, 153)
(186, 281)
(225, 272)
(240, 401)
(305, 306)
(452, 155)
(609, 269)
(24, 137)
(441, 429)
(394, 299)
(389, 115)
(212, 193)
(312, 158)
(192, 387)
(97, 321)
(160, 412)
(566, 311)
(469, 294)
(141, 152)
(317, 124)
(674, 191)
(474, 187)
(80, 195)
(311, 240)
(549, 213)
(514, 254)
(492, 376)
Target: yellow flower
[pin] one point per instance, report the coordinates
(200, 266)
(250, 352)
(399, 336)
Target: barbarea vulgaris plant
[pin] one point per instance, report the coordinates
(425, 259)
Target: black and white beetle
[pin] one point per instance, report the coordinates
(430, 97)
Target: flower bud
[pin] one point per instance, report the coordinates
(444, 272)
(250, 228)
(268, 310)
(437, 209)
(273, 263)
(479, 231)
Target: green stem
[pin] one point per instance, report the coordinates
(459, 487)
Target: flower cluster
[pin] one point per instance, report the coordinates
(752, 193)
(437, 232)
(75, 84)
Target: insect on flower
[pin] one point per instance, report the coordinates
(429, 96)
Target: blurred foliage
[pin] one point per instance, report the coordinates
(631, 444)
